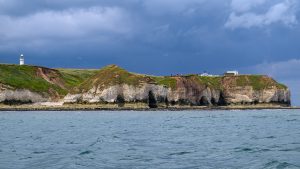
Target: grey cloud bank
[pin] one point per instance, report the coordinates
(155, 37)
(283, 12)
(64, 24)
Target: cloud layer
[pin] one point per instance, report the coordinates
(285, 70)
(242, 17)
(65, 24)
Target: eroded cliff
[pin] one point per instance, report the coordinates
(113, 84)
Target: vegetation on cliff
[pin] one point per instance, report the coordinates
(26, 77)
(167, 81)
(74, 77)
(114, 75)
(63, 81)
(43, 80)
(258, 82)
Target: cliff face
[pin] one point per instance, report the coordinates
(182, 96)
(110, 86)
(244, 95)
(9, 95)
(254, 89)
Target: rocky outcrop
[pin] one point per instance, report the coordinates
(128, 92)
(189, 92)
(247, 95)
(10, 95)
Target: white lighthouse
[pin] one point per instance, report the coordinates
(22, 59)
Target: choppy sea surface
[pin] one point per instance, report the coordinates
(163, 139)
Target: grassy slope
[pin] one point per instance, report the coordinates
(25, 77)
(258, 82)
(113, 75)
(74, 77)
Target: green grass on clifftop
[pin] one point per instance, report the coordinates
(213, 82)
(167, 81)
(114, 75)
(258, 82)
(74, 77)
(25, 77)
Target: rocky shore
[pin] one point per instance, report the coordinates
(133, 107)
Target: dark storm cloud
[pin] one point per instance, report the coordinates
(152, 36)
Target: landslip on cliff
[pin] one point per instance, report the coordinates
(114, 85)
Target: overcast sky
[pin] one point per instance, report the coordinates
(157, 36)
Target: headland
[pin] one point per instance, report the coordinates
(26, 87)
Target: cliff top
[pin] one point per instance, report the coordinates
(113, 75)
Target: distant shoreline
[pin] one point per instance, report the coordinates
(112, 108)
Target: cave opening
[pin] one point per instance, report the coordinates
(152, 103)
(204, 101)
(16, 102)
(255, 102)
(213, 101)
(173, 102)
(222, 101)
(167, 102)
(120, 101)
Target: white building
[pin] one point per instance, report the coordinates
(205, 74)
(22, 61)
(232, 73)
(208, 75)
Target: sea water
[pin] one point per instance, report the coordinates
(160, 139)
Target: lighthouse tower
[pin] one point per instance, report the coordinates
(22, 59)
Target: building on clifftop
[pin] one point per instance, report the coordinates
(232, 73)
